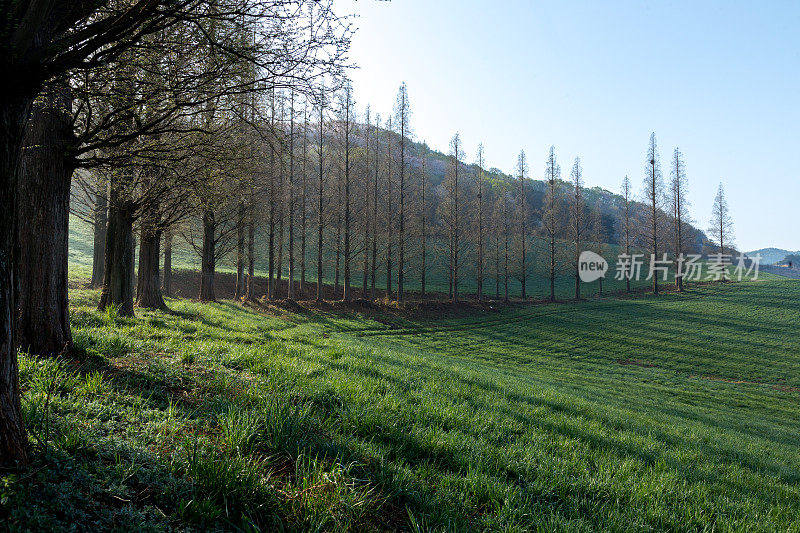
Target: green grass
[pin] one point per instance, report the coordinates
(673, 413)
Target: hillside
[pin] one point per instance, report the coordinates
(771, 256)
(609, 204)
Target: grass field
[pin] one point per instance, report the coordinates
(673, 413)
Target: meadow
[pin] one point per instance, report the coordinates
(670, 413)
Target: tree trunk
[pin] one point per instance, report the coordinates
(251, 257)
(208, 260)
(240, 282)
(148, 286)
(100, 227)
(14, 111)
(168, 263)
(118, 270)
(42, 224)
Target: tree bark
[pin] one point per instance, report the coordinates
(42, 222)
(208, 260)
(14, 109)
(118, 270)
(148, 286)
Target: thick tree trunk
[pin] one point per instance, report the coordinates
(208, 260)
(167, 284)
(118, 271)
(14, 111)
(43, 218)
(148, 286)
(100, 228)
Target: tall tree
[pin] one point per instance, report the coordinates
(480, 236)
(680, 213)
(320, 190)
(347, 125)
(578, 220)
(389, 210)
(423, 223)
(522, 170)
(550, 218)
(376, 174)
(721, 228)
(451, 212)
(654, 198)
(291, 203)
(627, 225)
(402, 118)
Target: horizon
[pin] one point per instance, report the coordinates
(694, 79)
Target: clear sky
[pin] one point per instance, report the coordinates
(718, 79)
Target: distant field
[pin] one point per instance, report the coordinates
(676, 413)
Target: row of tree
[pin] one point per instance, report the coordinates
(155, 98)
(373, 206)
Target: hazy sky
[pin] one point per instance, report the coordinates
(718, 79)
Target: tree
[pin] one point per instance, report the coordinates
(376, 174)
(680, 212)
(522, 169)
(451, 212)
(654, 198)
(291, 203)
(480, 237)
(721, 228)
(389, 210)
(347, 120)
(627, 226)
(550, 219)
(579, 223)
(44, 40)
(401, 118)
(320, 190)
(423, 211)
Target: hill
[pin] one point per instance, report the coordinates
(771, 256)
(609, 204)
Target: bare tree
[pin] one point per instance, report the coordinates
(578, 220)
(680, 210)
(721, 228)
(451, 212)
(320, 191)
(376, 173)
(550, 218)
(480, 236)
(522, 170)
(627, 225)
(402, 118)
(423, 223)
(654, 198)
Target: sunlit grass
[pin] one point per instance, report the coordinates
(672, 413)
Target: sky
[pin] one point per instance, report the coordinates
(720, 80)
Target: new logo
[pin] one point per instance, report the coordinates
(591, 266)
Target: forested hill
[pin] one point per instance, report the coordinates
(608, 205)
